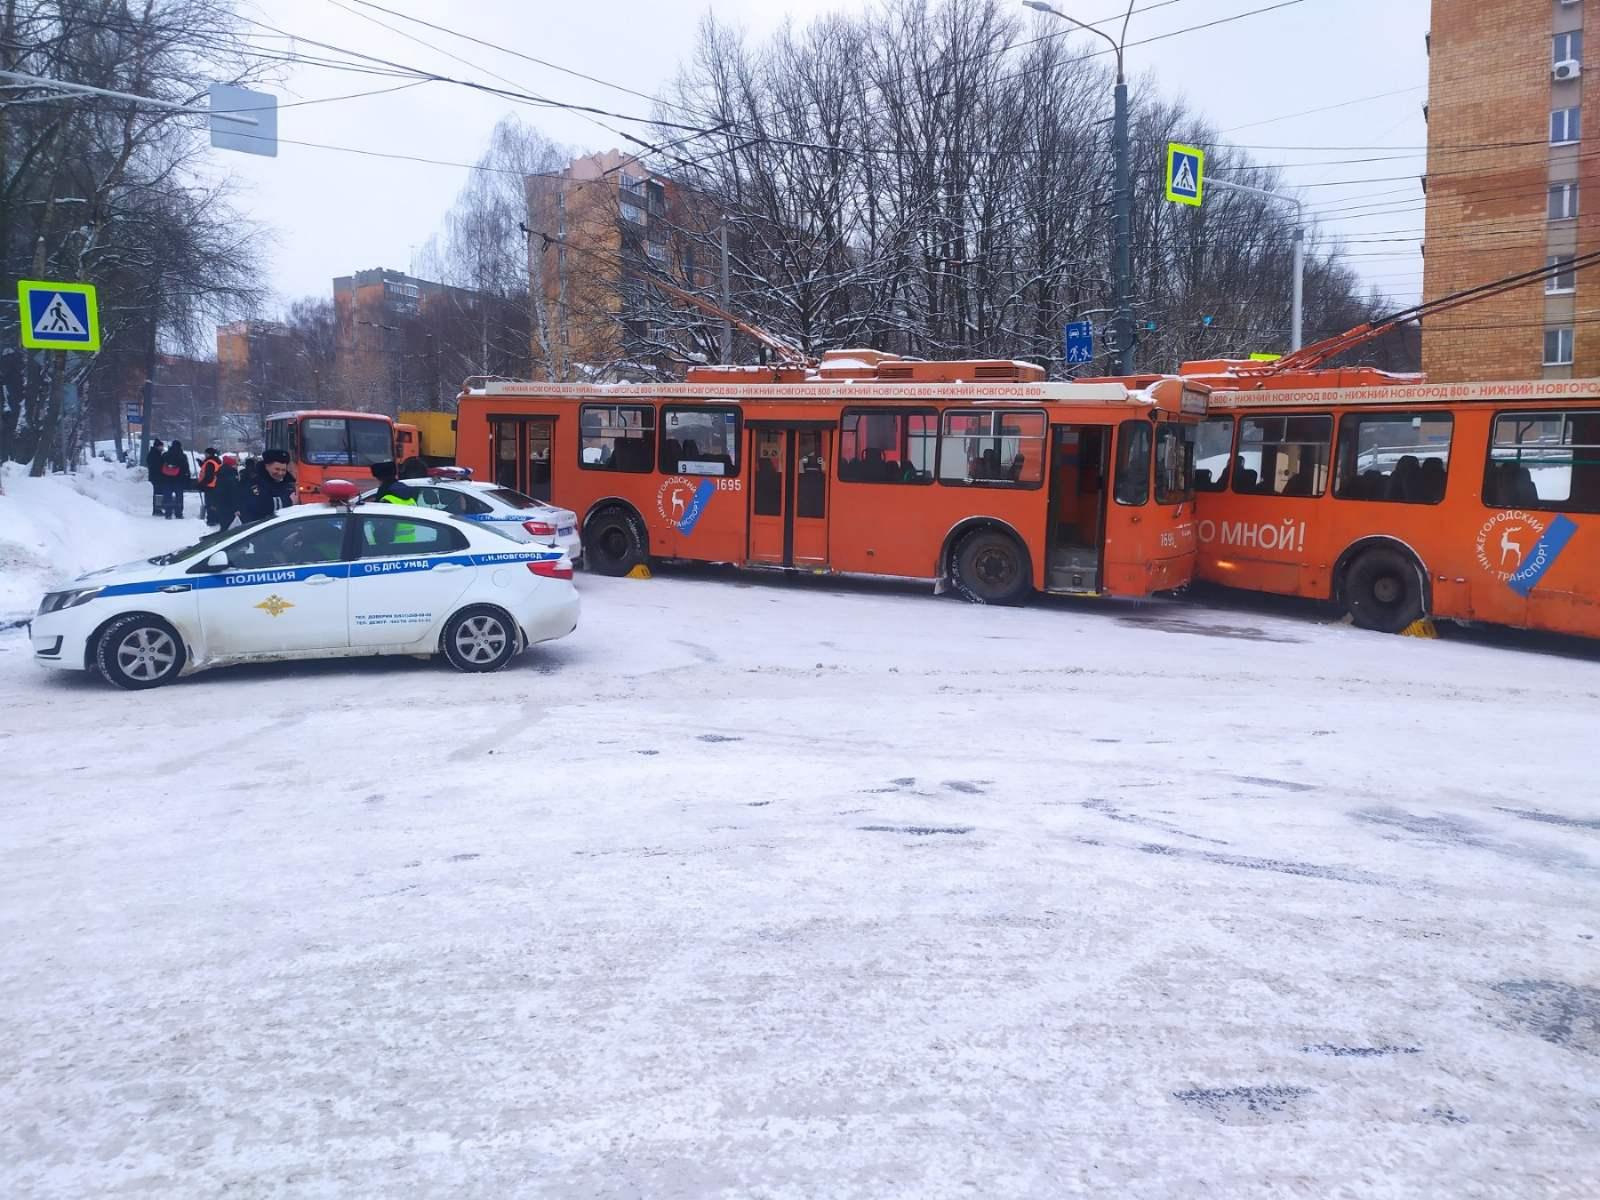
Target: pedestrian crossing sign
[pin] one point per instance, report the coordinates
(58, 316)
(1186, 166)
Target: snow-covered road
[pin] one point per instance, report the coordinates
(760, 889)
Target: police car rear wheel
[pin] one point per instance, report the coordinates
(480, 639)
(139, 652)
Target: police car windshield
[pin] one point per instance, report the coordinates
(205, 543)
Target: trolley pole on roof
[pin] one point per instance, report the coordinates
(1122, 258)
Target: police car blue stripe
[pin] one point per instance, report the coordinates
(360, 569)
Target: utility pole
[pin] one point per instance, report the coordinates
(1122, 322)
(562, 333)
(1122, 255)
(727, 298)
(1297, 301)
(148, 405)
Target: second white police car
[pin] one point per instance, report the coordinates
(519, 517)
(313, 582)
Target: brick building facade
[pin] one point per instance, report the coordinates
(621, 224)
(1510, 189)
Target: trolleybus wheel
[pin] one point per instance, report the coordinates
(138, 652)
(989, 567)
(1383, 591)
(613, 543)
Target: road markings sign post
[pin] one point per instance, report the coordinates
(58, 316)
(1186, 174)
(1079, 339)
(1186, 181)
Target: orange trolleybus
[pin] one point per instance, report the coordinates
(1477, 502)
(976, 475)
(325, 444)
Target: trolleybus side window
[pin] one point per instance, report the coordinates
(1133, 462)
(1213, 454)
(887, 447)
(1174, 462)
(1544, 460)
(699, 441)
(992, 448)
(1399, 457)
(1283, 456)
(617, 437)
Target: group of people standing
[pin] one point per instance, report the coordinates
(229, 490)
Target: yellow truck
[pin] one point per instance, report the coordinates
(428, 435)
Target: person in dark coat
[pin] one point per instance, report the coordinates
(174, 478)
(152, 470)
(389, 488)
(226, 493)
(271, 489)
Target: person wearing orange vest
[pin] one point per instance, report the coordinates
(209, 466)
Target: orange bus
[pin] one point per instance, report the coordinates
(1472, 502)
(975, 475)
(325, 444)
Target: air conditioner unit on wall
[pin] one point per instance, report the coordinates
(1567, 68)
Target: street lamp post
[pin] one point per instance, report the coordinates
(1122, 262)
(1297, 300)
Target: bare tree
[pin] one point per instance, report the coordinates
(927, 178)
(102, 190)
(491, 319)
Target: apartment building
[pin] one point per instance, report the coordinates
(1511, 189)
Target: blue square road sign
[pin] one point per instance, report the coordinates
(1079, 338)
(58, 315)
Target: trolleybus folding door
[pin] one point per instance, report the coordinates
(789, 493)
(521, 455)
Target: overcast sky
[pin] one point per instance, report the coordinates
(1255, 78)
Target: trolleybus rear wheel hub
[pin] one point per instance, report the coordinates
(995, 566)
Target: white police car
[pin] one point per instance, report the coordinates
(519, 517)
(315, 581)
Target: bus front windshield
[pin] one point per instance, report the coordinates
(345, 441)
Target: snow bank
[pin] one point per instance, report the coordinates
(56, 528)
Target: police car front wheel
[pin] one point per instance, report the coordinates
(138, 652)
(480, 639)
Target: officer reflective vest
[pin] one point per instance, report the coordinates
(403, 532)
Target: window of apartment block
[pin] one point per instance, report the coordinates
(1563, 201)
(1558, 347)
(629, 184)
(1563, 126)
(1565, 279)
(632, 212)
(1568, 46)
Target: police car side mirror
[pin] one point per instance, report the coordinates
(218, 561)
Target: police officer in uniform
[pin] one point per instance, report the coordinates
(390, 489)
(271, 489)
